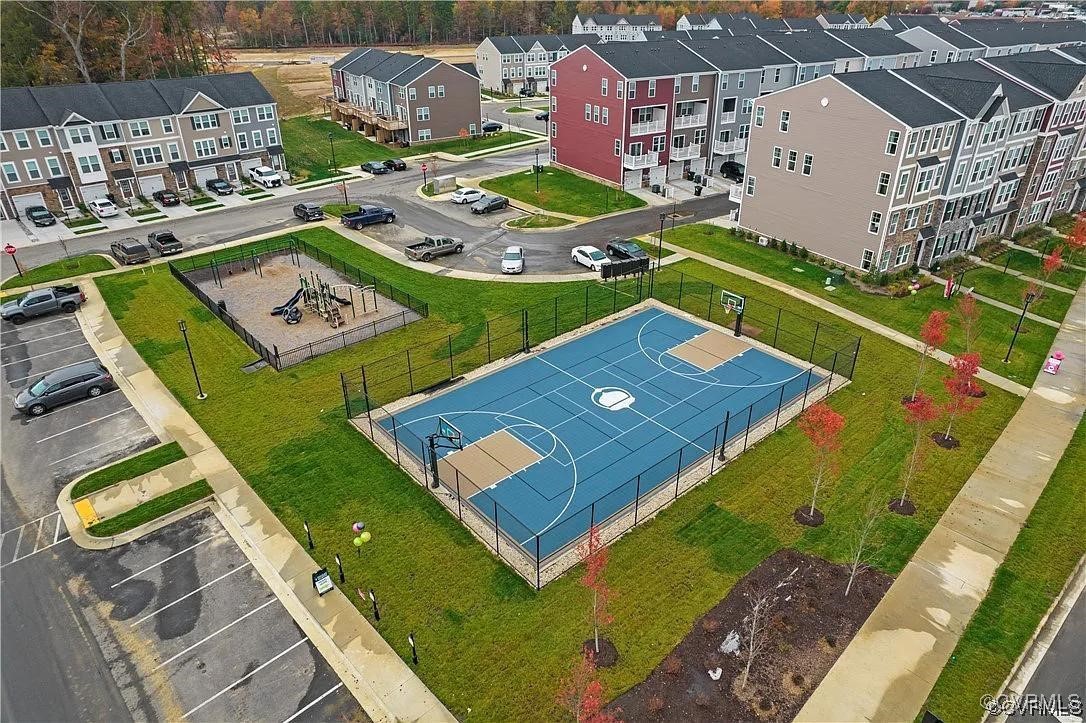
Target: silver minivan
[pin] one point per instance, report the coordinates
(80, 381)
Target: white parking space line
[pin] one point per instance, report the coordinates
(101, 444)
(51, 336)
(18, 542)
(85, 424)
(24, 327)
(206, 585)
(82, 401)
(316, 700)
(224, 628)
(176, 554)
(37, 536)
(39, 356)
(56, 535)
(245, 677)
(48, 371)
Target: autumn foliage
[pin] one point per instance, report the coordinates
(960, 385)
(920, 411)
(822, 427)
(968, 314)
(596, 556)
(1076, 240)
(581, 694)
(933, 333)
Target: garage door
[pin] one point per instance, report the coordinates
(657, 175)
(631, 180)
(27, 199)
(89, 193)
(250, 163)
(150, 184)
(203, 175)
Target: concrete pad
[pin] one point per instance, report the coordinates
(988, 526)
(959, 562)
(115, 500)
(321, 608)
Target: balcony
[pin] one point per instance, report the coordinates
(650, 159)
(726, 148)
(686, 152)
(654, 126)
(728, 117)
(691, 121)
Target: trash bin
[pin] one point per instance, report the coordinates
(690, 175)
(697, 179)
(837, 277)
(656, 188)
(697, 190)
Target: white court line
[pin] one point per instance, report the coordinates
(101, 444)
(39, 356)
(51, 336)
(37, 537)
(49, 371)
(85, 424)
(24, 327)
(246, 677)
(316, 700)
(174, 657)
(18, 542)
(182, 552)
(169, 605)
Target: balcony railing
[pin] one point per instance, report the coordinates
(725, 148)
(640, 129)
(728, 117)
(686, 152)
(645, 160)
(691, 121)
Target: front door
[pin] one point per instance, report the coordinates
(64, 195)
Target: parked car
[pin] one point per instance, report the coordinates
(466, 195)
(164, 242)
(620, 248)
(543, 115)
(491, 127)
(219, 187)
(129, 251)
(526, 91)
(732, 170)
(166, 197)
(309, 211)
(433, 246)
(486, 204)
(40, 216)
(79, 381)
(590, 256)
(41, 302)
(365, 215)
(375, 167)
(395, 164)
(266, 177)
(513, 260)
(103, 208)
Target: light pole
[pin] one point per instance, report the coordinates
(185, 333)
(332, 145)
(1025, 306)
(536, 168)
(660, 240)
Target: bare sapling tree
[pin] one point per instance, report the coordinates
(760, 603)
(863, 544)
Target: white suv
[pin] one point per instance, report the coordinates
(266, 177)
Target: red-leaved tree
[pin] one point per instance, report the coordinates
(1051, 264)
(822, 426)
(595, 556)
(934, 334)
(920, 411)
(959, 385)
(968, 312)
(581, 694)
(1076, 240)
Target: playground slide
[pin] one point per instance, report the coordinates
(340, 300)
(280, 310)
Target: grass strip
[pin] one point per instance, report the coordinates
(152, 509)
(151, 218)
(539, 220)
(562, 191)
(209, 207)
(127, 469)
(80, 222)
(259, 196)
(57, 270)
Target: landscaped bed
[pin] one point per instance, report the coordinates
(127, 469)
(152, 509)
(83, 222)
(563, 192)
(56, 270)
(1050, 303)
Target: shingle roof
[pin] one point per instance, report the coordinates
(742, 53)
(650, 60)
(18, 109)
(1077, 52)
(969, 86)
(394, 65)
(838, 18)
(873, 41)
(349, 58)
(1045, 70)
(412, 72)
(811, 47)
(803, 23)
(1003, 33)
(468, 68)
(767, 24)
(611, 19)
(505, 44)
(936, 27)
(896, 97)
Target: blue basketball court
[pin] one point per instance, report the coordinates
(568, 437)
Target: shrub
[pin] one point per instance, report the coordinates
(773, 243)
(804, 253)
(655, 704)
(792, 249)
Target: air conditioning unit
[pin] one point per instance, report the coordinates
(763, 241)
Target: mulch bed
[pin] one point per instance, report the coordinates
(905, 508)
(944, 441)
(606, 658)
(808, 628)
(805, 517)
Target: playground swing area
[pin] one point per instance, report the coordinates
(294, 302)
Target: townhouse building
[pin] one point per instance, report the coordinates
(62, 146)
(404, 98)
(742, 21)
(939, 42)
(1009, 37)
(509, 63)
(612, 27)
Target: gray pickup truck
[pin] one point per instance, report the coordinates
(433, 246)
(42, 302)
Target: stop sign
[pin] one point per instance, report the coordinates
(424, 166)
(9, 249)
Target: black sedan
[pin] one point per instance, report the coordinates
(620, 248)
(219, 187)
(166, 197)
(543, 115)
(491, 127)
(733, 171)
(40, 215)
(395, 164)
(375, 167)
(309, 211)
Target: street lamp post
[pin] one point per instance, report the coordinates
(332, 145)
(660, 241)
(536, 168)
(185, 333)
(1028, 300)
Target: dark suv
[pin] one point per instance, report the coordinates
(129, 251)
(733, 171)
(366, 215)
(86, 379)
(219, 186)
(309, 211)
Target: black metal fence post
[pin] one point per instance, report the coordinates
(709, 309)
(537, 584)
(586, 303)
(680, 304)
(777, 330)
(637, 498)
(750, 418)
(395, 440)
(451, 373)
(780, 403)
(724, 438)
(524, 327)
(488, 357)
(496, 549)
(556, 316)
(346, 396)
(833, 368)
(814, 341)
(678, 472)
(459, 507)
(712, 457)
(410, 376)
(806, 389)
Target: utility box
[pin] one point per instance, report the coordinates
(444, 184)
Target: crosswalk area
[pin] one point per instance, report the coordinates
(35, 536)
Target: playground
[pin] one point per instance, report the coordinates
(296, 306)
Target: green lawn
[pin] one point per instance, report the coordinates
(127, 469)
(286, 434)
(81, 222)
(152, 509)
(905, 314)
(460, 146)
(1030, 265)
(498, 94)
(56, 270)
(1063, 223)
(563, 192)
(305, 142)
(539, 220)
(143, 211)
(1036, 568)
(994, 284)
(197, 201)
(518, 109)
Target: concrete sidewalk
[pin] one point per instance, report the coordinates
(1003, 305)
(992, 378)
(1018, 274)
(385, 686)
(890, 667)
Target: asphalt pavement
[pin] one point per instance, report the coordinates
(1060, 678)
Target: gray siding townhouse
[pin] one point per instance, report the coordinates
(509, 63)
(616, 27)
(880, 48)
(816, 53)
(403, 98)
(938, 42)
(61, 146)
(843, 21)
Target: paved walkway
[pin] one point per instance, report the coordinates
(385, 686)
(889, 668)
(1018, 274)
(857, 319)
(1006, 307)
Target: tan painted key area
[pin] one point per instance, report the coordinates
(709, 350)
(485, 463)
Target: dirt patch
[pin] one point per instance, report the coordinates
(905, 507)
(808, 517)
(807, 629)
(945, 441)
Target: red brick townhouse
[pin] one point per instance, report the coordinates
(633, 114)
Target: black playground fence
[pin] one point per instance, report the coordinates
(247, 259)
(829, 354)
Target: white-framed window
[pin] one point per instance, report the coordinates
(923, 180)
(441, 91)
(22, 140)
(1006, 192)
(11, 175)
(240, 115)
(652, 88)
(422, 113)
(265, 112)
(910, 145)
(949, 138)
(205, 121)
(695, 83)
(53, 164)
(883, 184)
(808, 163)
(595, 114)
(751, 181)
(1050, 181)
(167, 125)
(91, 164)
(554, 103)
(891, 224)
(80, 134)
(884, 262)
(776, 75)
(970, 134)
(934, 57)
(603, 87)
(243, 141)
(902, 254)
(174, 151)
(431, 91)
(875, 224)
(411, 94)
(802, 73)
(631, 89)
(892, 139)
(700, 135)
(147, 155)
(724, 81)
(658, 143)
(554, 155)
(205, 147)
(425, 134)
(928, 211)
(44, 139)
(33, 170)
(678, 85)
(588, 111)
(748, 106)
(759, 116)
(554, 78)
(903, 183)
(786, 116)
(603, 116)
(258, 139)
(273, 136)
(778, 152)
(620, 90)
(110, 131)
(959, 172)
(925, 140)
(866, 259)
(471, 129)
(791, 166)
(912, 216)
(618, 147)
(116, 156)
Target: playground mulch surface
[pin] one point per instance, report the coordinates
(251, 296)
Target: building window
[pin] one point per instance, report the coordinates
(892, 139)
(751, 181)
(652, 88)
(53, 164)
(928, 211)
(884, 262)
(620, 87)
(554, 130)
(174, 150)
(678, 84)
(724, 81)
(631, 89)
(167, 125)
(603, 117)
(411, 94)
(424, 134)
(808, 163)
(115, 155)
(776, 75)
(147, 156)
(10, 174)
(588, 111)
(875, 223)
(970, 134)
(258, 139)
(265, 112)
(205, 148)
(658, 143)
(554, 103)
(902, 254)
(205, 121)
(22, 140)
(240, 115)
(891, 225)
(934, 57)
(911, 217)
(33, 171)
(91, 164)
(785, 117)
(910, 146)
(243, 141)
(883, 184)
(866, 259)
(44, 139)
(695, 84)
(777, 153)
(748, 106)
(554, 155)
(902, 184)
(431, 91)
(959, 172)
(595, 114)
(759, 116)
(618, 147)
(422, 113)
(791, 168)
(603, 87)
(441, 91)
(554, 78)
(81, 134)
(926, 139)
